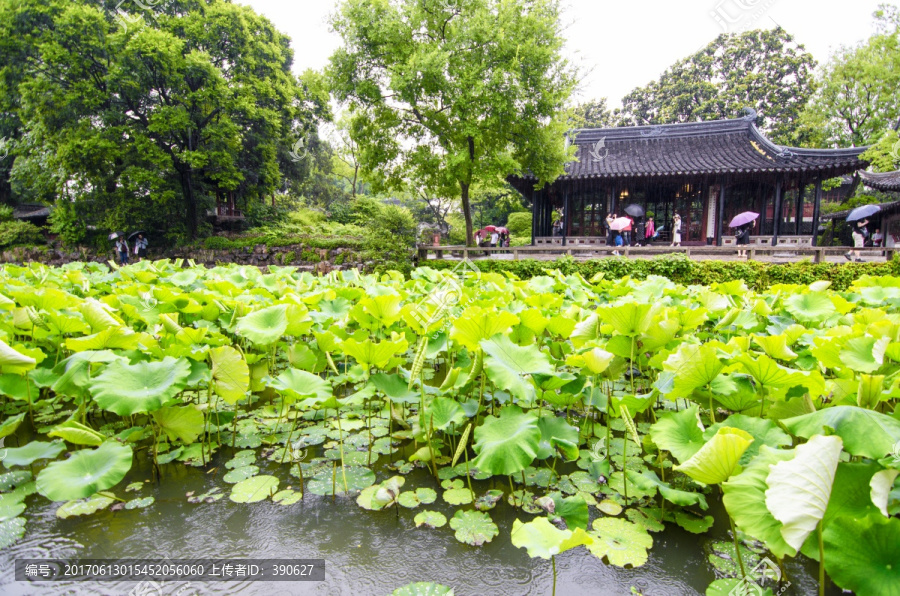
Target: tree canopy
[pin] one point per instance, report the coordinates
(463, 92)
(761, 69)
(144, 121)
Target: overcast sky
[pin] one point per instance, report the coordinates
(627, 43)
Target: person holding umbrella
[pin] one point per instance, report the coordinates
(858, 220)
(140, 245)
(122, 249)
(649, 231)
(610, 233)
(742, 224)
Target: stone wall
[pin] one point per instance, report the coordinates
(260, 255)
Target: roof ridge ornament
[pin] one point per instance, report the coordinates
(655, 131)
(750, 115)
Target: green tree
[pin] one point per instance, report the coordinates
(463, 92)
(760, 69)
(857, 99)
(592, 114)
(148, 123)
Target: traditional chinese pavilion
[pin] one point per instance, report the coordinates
(698, 170)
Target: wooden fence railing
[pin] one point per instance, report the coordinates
(818, 253)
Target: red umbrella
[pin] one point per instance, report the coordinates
(620, 223)
(490, 228)
(502, 231)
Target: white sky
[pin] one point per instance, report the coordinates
(624, 44)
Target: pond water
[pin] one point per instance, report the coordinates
(365, 552)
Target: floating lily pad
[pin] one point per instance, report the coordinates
(287, 497)
(488, 500)
(473, 527)
(210, 496)
(88, 471)
(693, 523)
(239, 474)
(249, 440)
(134, 486)
(432, 519)
(412, 499)
(458, 496)
(609, 507)
(11, 506)
(621, 542)
(139, 503)
(11, 480)
(240, 462)
(30, 453)
(351, 458)
(646, 519)
(11, 530)
(84, 506)
(357, 477)
(252, 490)
(423, 589)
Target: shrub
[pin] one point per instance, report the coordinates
(308, 256)
(758, 276)
(15, 233)
(67, 225)
(519, 225)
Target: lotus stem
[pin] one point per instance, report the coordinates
(431, 445)
(737, 545)
(553, 565)
(468, 476)
(821, 560)
(341, 432)
(512, 492)
(333, 481)
(625, 466)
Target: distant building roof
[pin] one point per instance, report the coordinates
(885, 181)
(888, 208)
(29, 211)
(716, 147)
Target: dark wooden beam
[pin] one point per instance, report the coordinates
(776, 216)
(720, 214)
(816, 207)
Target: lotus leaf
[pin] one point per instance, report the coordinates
(542, 539)
(864, 432)
(85, 473)
(265, 326)
(432, 519)
(84, 506)
(31, 452)
(623, 543)
(508, 443)
(78, 434)
(230, 374)
(718, 457)
(861, 555)
(128, 389)
(473, 527)
(423, 589)
(254, 489)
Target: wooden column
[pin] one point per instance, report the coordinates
(776, 223)
(798, 217)
(534, 208)
(565, 229)
(720, 213)
(816, 206)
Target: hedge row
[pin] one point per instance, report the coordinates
(222, 243)
(680, 269)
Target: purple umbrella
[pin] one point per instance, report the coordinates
(742, 218)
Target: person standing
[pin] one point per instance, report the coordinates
(626, 231)
(649, 231)
(140, 247)
(742, 236)
(610, 233)
(122, 250)
(676, 230)
(877, 238)
(494, 238)
(859, 240)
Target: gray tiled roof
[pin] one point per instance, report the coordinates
(885, 181)
(696, 148)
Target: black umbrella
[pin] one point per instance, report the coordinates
(634, 210)
(133, 234)
(115, 235)
(863, 212)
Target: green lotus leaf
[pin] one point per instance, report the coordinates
(812, 307)
(357, 478)
(718, 457)
(15, 479)
(870, 389)
(574, 510)
(230, 374)
(74, 374)
(254, 489)
(443, 413)
(84, 506)
(881, 484)
(432, 519)
(680, 433)
(140, 503)
(695, 524)
(764, 432)
(299, 384)
(769, 373)
(557, 437)
(646, 520)
(287, 497)
(799, 488)
(127, 389)
(99, 315)
(864, 432)
(86, 472)
(745, 500)
(241, 473)
(30, 453)
(477, 324)
(542, 539)
(861, 354)
(13, 359)
(775, 346)
(648, 481)
(264, 327)
(368, 353)
(395, 388)
(184, 423)
(473, 527)
(76, 433)
(629, 319)
(736, 587)
(508, 443)
(412, 499)
(423, 589)
(597, 360)
(113, 338)
(862, 554)
(623, 543)
(11, 424)
(458, 496)
(11, 530)
(694, 366)
(507, 363)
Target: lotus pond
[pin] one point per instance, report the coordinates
(491, 435)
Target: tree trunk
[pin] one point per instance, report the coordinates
(467, 213)
(355, 177)
(187, 188)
